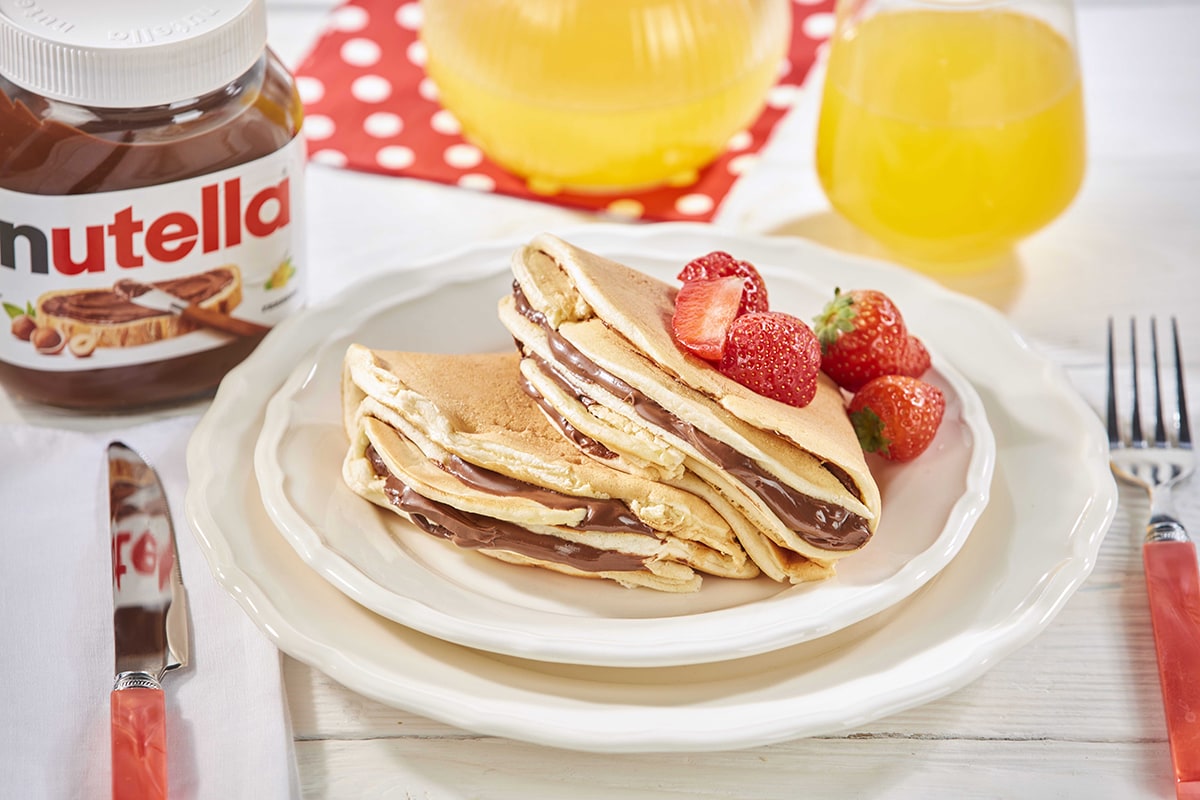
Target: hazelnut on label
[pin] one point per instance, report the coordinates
(23, 326)
(47, 341)
(82, 345)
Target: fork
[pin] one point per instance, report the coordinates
(1159, 465)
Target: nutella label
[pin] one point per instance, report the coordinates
(97, 280)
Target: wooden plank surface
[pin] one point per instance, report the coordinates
(837, 769)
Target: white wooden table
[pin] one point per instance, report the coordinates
(1074, 714)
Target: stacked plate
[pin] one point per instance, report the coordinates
(982, 540)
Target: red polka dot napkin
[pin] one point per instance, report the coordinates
(369, 106)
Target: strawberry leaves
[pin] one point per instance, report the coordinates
(863, 336)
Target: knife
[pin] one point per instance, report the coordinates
(148, 296)
(151, 630)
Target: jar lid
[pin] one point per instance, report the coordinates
(128, 53)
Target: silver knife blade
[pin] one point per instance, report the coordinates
(145, 295)
(150, 616)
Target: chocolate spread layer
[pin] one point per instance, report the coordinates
(585, 443)
(474, 531)
(821, 524)
(113, 307)
(115, 149)
(599, 515)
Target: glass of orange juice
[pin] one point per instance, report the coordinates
(604, 95)
(950, 129)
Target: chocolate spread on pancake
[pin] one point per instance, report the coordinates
(474, 531)
(821, 524)
(585, 443)
(599, 515)
(51, 147)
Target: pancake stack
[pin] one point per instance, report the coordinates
(455, 445)
(599, 353)
(603, 449)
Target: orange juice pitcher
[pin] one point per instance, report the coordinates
(950, 129)
(604, 95)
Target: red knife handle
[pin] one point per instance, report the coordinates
(223, 322)
(1173, 584)
(139, 744)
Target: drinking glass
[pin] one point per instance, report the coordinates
(950, 129)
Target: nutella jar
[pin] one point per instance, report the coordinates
(151, 198)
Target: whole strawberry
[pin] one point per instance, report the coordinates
(863, 336)
(897, 416)
(719, 264)
(774, 354)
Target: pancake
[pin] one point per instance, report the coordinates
(600, 359)
(455, 445)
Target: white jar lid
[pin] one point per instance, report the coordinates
(128, 53)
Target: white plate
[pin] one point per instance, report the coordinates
(397, 570)
(1052, 497)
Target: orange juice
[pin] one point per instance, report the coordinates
(604, 94)
(950, 135)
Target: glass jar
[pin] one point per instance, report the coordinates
(604, 96)
(146, 151)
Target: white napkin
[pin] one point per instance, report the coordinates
(228, 733)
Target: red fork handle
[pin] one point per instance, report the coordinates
(1173, 584)
(139, 744)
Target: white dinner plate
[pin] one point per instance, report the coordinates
(1052, 496)
(395, 569)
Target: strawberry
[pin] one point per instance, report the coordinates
(774, 354)
(863, 336)
(897, 416)
(703, 313)
(915, 360)
(719, 264)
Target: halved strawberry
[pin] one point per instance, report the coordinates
(719, 264)
(774, 354)
(862, 336)
(897, 416)
(703, 313)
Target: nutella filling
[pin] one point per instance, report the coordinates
(113, 307)
(611, 516)
(820, 524)
(585, 443)
(474, 531)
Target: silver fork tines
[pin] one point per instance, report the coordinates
(1158, 465)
